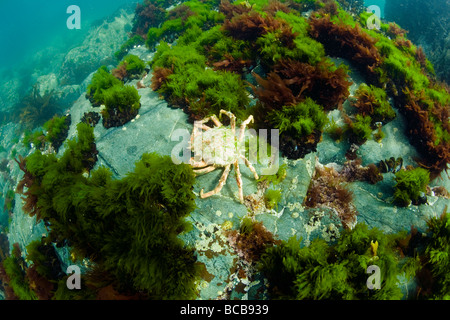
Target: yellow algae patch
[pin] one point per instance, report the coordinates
(227, 225)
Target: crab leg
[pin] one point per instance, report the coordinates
(239, 181)
(205, 127)
(243, 125)
(216, 121)
(219, 186)
(249, 165)
(198, 164)
(204, 170)
(213, 118)
(232, 119)
(200, 124)
(195, 132)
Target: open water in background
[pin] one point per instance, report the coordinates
(34, 35)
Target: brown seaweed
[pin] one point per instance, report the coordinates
(327, 189)
(352, 43)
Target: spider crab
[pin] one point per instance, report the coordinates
(219, 147)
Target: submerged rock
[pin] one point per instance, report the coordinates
(97, 49)
(156, 128)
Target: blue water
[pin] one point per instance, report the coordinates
(29, 26)
(379, 3)
(33, 33)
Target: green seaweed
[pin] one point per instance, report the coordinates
(247, 226)
(36, 137)
(127, 227)
(336, 271)
(438, 257)
(133, 64)
(335, 131)
(122, 103)
(273, 46)
(363, 16)
(37, 257)
(207, 91)
(120, 99)
(9, 200)
(299, 120)
(379, 135)
(189, 14)
(272, 50)
(361, 128)
(101, 81)
(272, 198)
(17, 280)
(404, 70)
(399, 65)
(409, 185)
(57, 129)
(223, 45)
(129, 44)
(276, 178)
(177, 57)
(373, 101)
